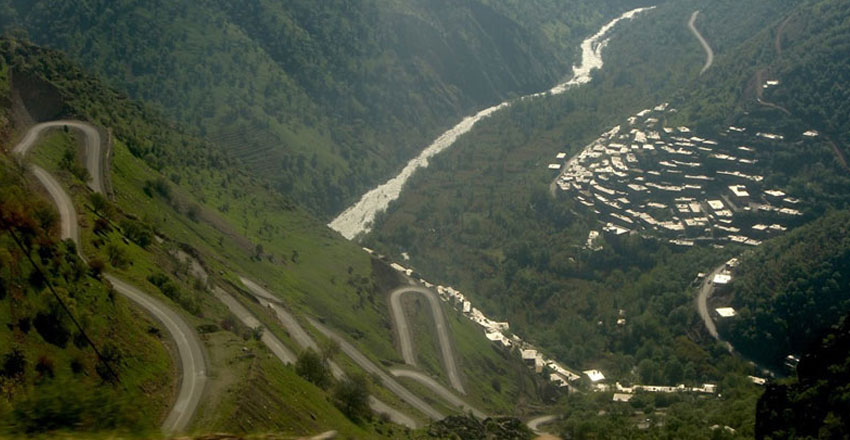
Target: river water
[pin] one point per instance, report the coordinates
(358, 218)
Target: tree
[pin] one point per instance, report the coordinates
(99, 204)
(14, 364)
(117, 256)
(352, 397)
(313, 368)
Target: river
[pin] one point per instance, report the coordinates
(358, 218)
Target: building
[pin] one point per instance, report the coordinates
(622, 397)
(721, 279)
(725, 312)
(594, 375)
(740, 194)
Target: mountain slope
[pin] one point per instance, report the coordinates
(791, 289)
(196, 210)
(816, 403)
(326, 98)
(56, 374)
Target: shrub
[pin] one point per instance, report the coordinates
(14, 364)
(313, 368)
(352, 397)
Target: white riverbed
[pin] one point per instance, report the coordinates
(358, 218)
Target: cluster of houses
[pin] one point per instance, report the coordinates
(625, 394)
(558, 374)
(495, 331)
(645, 177)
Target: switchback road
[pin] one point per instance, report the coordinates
(405, 340)
(189, 348)
(267, 299)
(272, 342)
(94, 153)
(440, 390)
(367, 365)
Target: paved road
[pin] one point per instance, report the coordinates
(535, 423)
(268, 300)
(442, 331)
(303, 339)
(439, 389)
(67, 213)
(709, 53)
(189, 348)
(94, 153)
(705, 292)
(371, 368)
(272, 342)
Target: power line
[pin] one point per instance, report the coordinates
(37, 268)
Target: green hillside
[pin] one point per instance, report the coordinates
(482, 218)
(249, 392)
(175, 194)
(74, 354)
(325, 98)
(791, 289)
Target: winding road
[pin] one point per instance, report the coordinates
(709, 53)
(94, 150)
(535, 423)
(267, 299)
(272, 342)
(189, 348)
(405, 340)
(436, 387)
(367, 365)
(705, 292)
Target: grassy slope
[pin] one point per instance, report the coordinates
(145, 368)
(308, 266)
(248, 386)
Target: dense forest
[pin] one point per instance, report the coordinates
(791, 288)
(482, 217)
(815, 403)
(326, 98)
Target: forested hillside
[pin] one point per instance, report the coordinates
(138, 235)
(328, 97)
(815, 403)
(805, 53)
(72, 352)
(792, 288)
(482, 216)
(174, 195)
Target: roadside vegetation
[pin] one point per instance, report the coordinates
(74, 354)
(176, 196)
(482, 218)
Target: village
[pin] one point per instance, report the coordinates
(665, 182)
(645, 178)
(555, 372)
